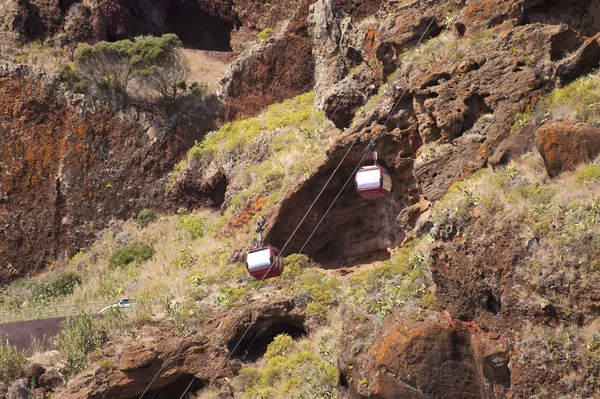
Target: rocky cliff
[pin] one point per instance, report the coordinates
(69, 166)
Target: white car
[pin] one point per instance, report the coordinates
(124, 303)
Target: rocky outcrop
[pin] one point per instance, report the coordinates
(565, 145)
(518, 143)
(69, 166)
(434, 358)
(271, 72)
(200, 24)
(129, 367)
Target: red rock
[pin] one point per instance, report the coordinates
(564, 145)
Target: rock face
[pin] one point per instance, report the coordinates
(271, 72)
(200, 24)
(68, 168)
(449, 116)
(565, 145)
(430, 359)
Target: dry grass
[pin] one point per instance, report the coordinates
(47, 56)
(204, 68)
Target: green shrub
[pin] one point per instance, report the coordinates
(144, 217)
(12, 361)
(65, 283)
(588, 175)
(282, 345)
(581, 99)
(264, 35)
(42, 293)
(79, 336)
(194, 224)
(128, 254)
(155, 63)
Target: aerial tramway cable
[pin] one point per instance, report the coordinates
(259, 285)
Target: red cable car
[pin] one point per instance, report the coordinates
(373, 181)
(264, 262)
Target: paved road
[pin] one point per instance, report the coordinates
(22, 333)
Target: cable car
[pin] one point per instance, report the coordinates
(373, 181)
(264, 262)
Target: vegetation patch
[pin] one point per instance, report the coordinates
(11, 361)
(145, 216)
(402, 281)
(194, 224)
(264, 35)
(150, 71)
(128, 254)
(79, 336)
(293, 369)
(579, 101)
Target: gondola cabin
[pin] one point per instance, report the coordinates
(259, 263)
(373, 182)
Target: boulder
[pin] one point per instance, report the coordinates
(565, 145)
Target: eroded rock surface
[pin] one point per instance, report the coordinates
(434, 358)
(67, 168)
(565, 145)
(175, 361)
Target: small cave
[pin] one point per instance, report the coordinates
(198, 25)
(176, 388)
(388, 53)
(254, 344)
(199, 30)
(343, 380)
(356, 230)
(564, 44)
(476, 106)
(493, 304)
(496, 372)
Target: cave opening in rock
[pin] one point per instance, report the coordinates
(176, 388)
(254, 344)
(343, 380)
(198, 30)
(356, 230)
(492, 304)
(476, 107)
(579, 15)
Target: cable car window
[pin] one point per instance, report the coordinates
(259, 259)
(368, 179)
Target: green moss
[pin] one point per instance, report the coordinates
(264, 35)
